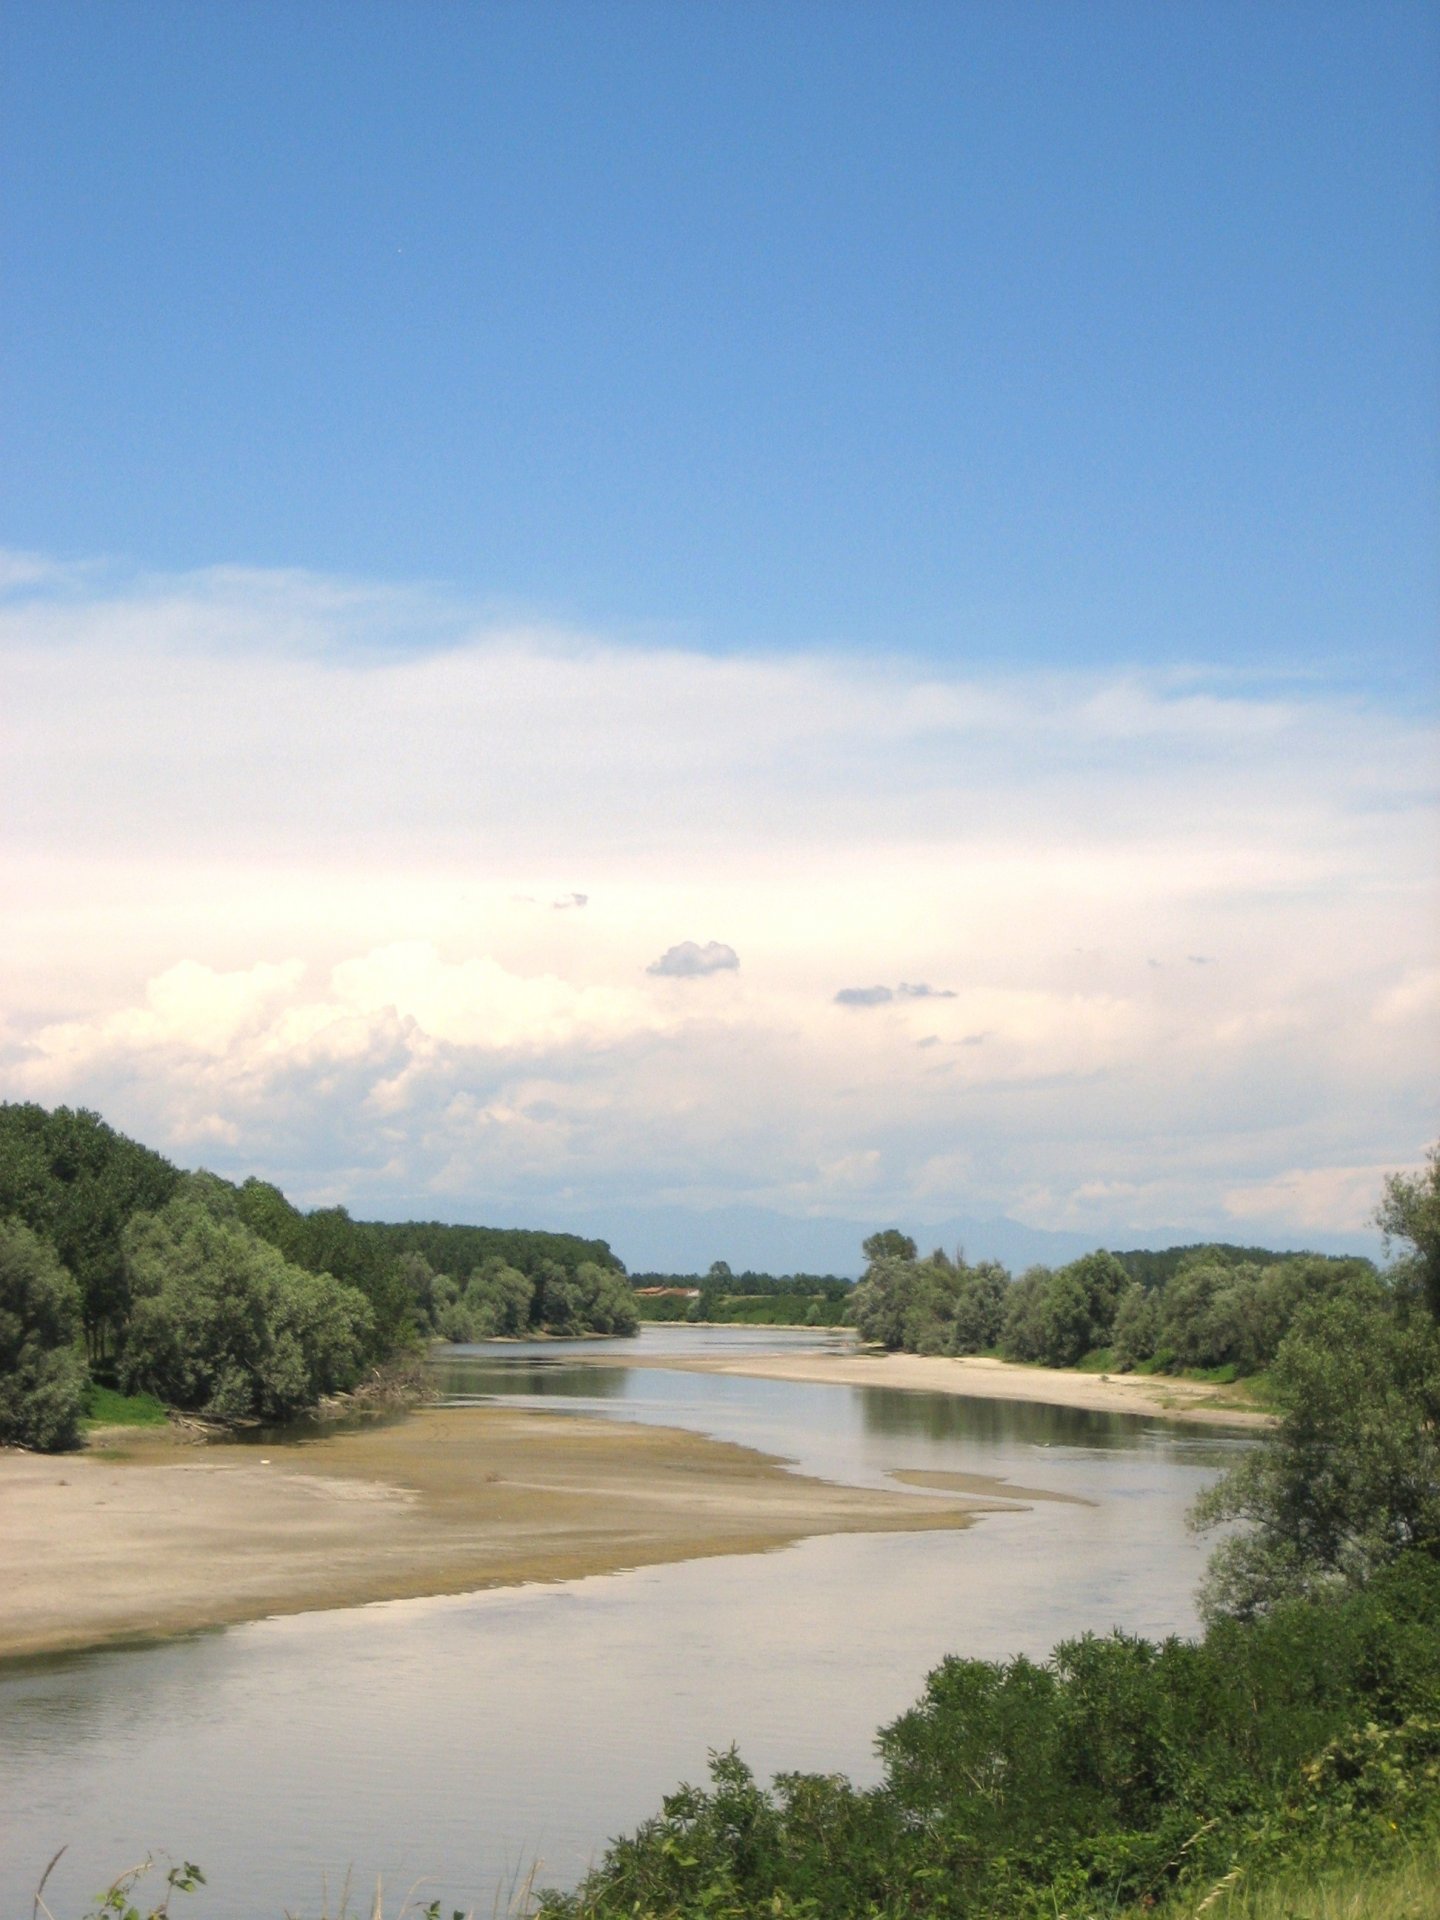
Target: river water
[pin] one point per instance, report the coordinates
(448, 1745)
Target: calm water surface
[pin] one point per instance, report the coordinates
(452, 1742)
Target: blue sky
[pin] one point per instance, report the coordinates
(977, 331)
(906, 496)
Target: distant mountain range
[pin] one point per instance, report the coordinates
(686, 1240)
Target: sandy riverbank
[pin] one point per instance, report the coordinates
(144, 1533)
(1147, 1395)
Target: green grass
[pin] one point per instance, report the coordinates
(1406, 1888)
(1098, 1360)
(106, 1408)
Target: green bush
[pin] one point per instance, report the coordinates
(1089, 1784)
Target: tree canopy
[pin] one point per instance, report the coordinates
(42, 1376)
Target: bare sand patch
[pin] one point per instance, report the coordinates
(1148, 1395)
(145, 1534)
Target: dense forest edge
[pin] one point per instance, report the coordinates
(122, 1276)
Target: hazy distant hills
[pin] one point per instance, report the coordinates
(686, 1240)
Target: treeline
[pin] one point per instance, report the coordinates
(1188, 1308)
(228, 1301)
(746, 1299)
(1121, 1778)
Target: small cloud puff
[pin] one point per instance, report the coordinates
(1201, 959)
(881, 996)
(568, 900)
(689, 961)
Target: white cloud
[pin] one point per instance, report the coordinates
(275, 848)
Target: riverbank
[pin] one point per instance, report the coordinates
(1148, 1395)
(146, 1533)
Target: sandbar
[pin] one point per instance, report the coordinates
(145, 1534)
(1150, 1396)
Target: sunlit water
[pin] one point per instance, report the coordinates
(448, 1744)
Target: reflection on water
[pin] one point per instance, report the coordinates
(458, 1739)
(463, 1381)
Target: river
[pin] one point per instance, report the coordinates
(447, 1745)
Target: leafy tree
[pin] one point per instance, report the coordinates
(1104, 1280)
(980, 1297)
(75, 1181)
(353, 1251)
(889, 1244)
(1136, 1331)
(1409, 1212)
(1023, 1334)
(1065, 1326)
(885, 1301)
(419, 1278)
(222, 1323)
(1190, 1328)
(42, 1376)
(495, 1302)
(1350, 1477)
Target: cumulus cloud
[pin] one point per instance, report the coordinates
(689, 961)
(279, 881)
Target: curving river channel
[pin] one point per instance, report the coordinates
(447, 1745)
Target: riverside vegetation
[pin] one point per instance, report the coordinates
(1288, 1760)
(118, 1271)
(1286, 1764)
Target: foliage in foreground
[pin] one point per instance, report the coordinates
(1102, 1779)
(1349, 1480)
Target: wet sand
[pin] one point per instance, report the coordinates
(1148, 1395)
(146, 1534)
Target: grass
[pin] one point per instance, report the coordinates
(104, 1407)
(1406, 1888)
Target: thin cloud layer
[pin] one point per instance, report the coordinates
(882, 996)
(279, 877)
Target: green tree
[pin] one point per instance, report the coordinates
(889, 1244)
(1137, 1326)
(75, 1181)
(222, 1323)
(42, 1376)
(1349, 1479)
(980, 1296)
(1104, 1281)
(1409, 1212)
(1066, 1329)
(1023, 1333)
(884, 1300)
